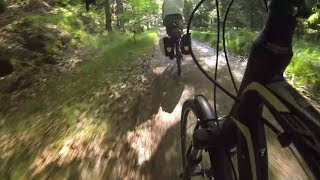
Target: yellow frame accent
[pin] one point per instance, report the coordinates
(275, 102)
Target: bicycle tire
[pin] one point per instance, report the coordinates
(178, 56)
(179, 66)
(188, 107)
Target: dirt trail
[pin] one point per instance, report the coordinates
(152, 150)
(125, 130)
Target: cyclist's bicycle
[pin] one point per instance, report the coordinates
(241, 132)
(172, 45)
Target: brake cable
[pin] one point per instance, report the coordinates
(216, 84)
(224, 46)
(197, 62)
(217, 63)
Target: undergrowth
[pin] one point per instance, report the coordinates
(47, 35)
(52, 119)
(63, 110)
(114, 56)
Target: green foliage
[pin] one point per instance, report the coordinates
(205, 16)
(315, 17)
(69, 18)
(64, 2)
(247, 16)
(65, 110)
(116, 52)
(47, 36)
(62, 28)
(309, 29)
(139, 14)
(304, 69)
(237, 40)
(111, 57)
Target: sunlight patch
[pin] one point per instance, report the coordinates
(82, 142)
(9, 141)
(144, 140)
(159, 70)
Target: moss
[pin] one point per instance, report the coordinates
(9, 28)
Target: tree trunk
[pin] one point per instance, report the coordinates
(2, 7)
(108, 16)
(119, 11)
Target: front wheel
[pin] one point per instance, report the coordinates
(189, 123)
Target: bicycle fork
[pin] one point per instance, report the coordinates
(219, 157)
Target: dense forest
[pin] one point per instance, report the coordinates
(86, 94)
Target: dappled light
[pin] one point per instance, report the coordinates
(114, 134)
(86, 93)
(82, 142)
(141, 143)
(207, 57)
(145, 139)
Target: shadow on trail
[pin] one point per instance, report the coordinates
(152, 150)
(165, 163)
(137, 147)
(168, 89)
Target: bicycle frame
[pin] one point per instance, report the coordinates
(270, 54)
(289, 110)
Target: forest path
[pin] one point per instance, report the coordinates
(116, 121)
(156, 143)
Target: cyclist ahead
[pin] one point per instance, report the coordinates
(172, 15)
(172, 12)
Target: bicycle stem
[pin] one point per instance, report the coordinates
(280, 25)
(271, 51)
